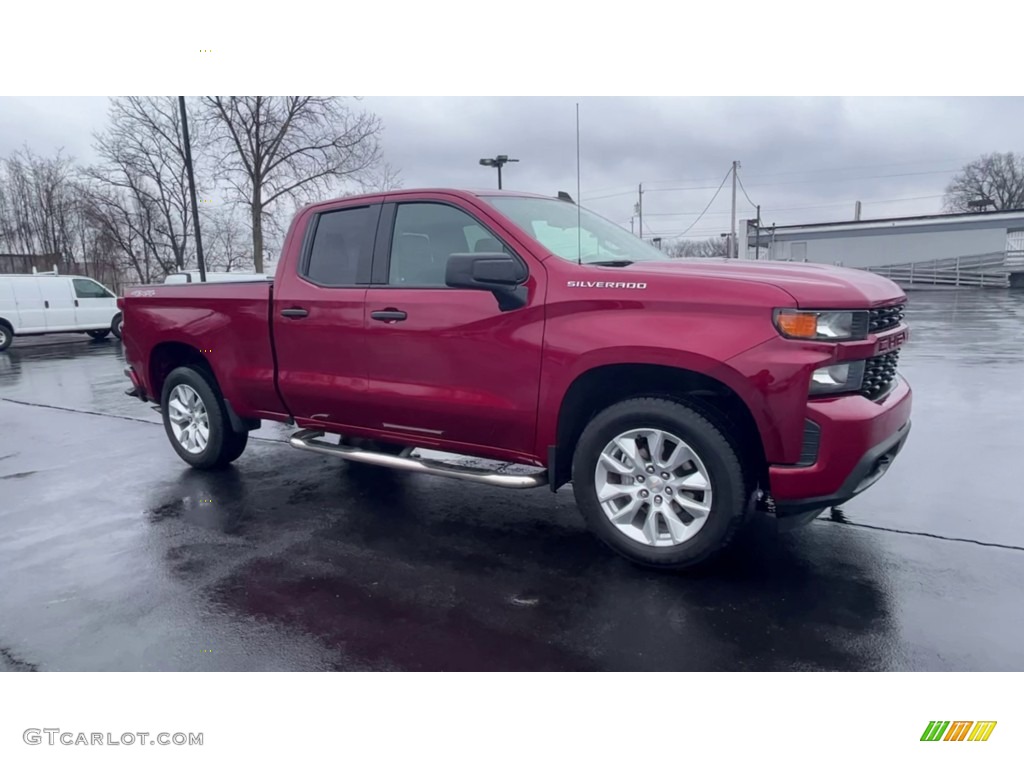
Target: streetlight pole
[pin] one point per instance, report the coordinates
(192, 188)
(497, 162)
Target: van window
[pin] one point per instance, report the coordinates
(87, 289)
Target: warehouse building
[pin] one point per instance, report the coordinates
(880, 243)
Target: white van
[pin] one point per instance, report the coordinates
(35, 304)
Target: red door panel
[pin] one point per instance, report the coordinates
(319, 335)
(457, 369)
(321, 356)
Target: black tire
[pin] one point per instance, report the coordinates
(730, 496)
(223, 445)
(6, 336)
(99, 334)
(115, 325)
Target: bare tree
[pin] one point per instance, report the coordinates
(272, 148)
(126, 223)
(38, 207)
(143, 155)
(998, 178)
(227, 243)
(383, 179)
(712, 247)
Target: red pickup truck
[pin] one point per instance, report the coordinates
(677, 396)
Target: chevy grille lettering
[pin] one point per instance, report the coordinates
(602, 284)
(892, 342)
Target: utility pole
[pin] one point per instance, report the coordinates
(632, 229)
(757, 235)
(192, 189)
(640, 208)
(733, 251)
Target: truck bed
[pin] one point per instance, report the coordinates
(228, 322)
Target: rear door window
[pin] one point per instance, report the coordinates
(342, 247)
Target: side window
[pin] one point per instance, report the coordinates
(425, 235)
(87, 289)
(342, 242)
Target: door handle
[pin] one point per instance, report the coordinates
(389, 315)
(76, 302)
(46, 304)
(294, 312)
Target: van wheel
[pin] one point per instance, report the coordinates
(117, 324)
(6, 336)
(659, 483)
(99, 334)
(196, 421)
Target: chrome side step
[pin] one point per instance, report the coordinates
(306, 440)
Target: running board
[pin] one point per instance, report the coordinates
(306, 440)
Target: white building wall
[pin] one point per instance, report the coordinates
(873, 250)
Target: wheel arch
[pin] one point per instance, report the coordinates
(599, 387)
(168, 355)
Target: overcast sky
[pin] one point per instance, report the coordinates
(803, 160)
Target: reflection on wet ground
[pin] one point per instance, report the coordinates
(115, 556)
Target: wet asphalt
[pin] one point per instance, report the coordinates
(116, 556)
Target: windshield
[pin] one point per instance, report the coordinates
(553, 223)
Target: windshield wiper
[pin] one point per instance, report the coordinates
(611, 263)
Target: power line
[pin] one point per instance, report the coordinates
(712, 200)
(806, 207)
(807, 171)
(779, 183)
(855, 178)
(745, 191)
(856, 168)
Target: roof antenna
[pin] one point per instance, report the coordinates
(579, 213)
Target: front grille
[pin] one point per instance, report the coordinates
(884, 318)
(879, 374)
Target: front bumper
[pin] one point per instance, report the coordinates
(859, 438)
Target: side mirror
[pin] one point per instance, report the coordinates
(499, 273)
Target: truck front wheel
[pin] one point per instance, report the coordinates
(659, 483)
(196, 420)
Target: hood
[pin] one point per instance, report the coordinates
(812, 286)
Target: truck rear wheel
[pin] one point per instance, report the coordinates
(659, 483)
(196, 420)
(6, 336)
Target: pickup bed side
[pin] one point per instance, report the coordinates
(223, 326)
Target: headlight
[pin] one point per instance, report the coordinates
(822, 326)
(835, 379)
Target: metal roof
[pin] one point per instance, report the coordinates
(971, 220)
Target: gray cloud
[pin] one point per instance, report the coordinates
(795, 152)
(808, 154)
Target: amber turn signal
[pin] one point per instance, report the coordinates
(798, 325)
